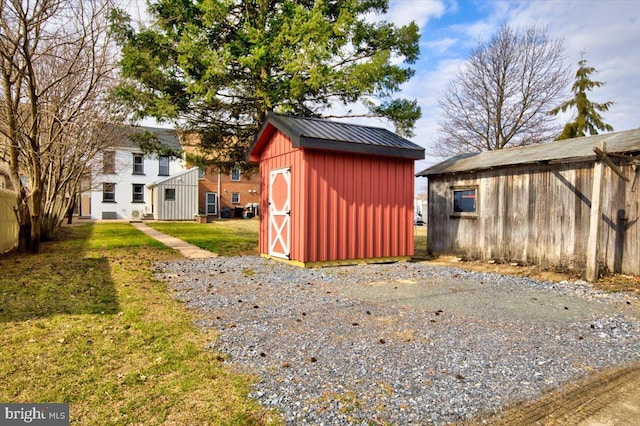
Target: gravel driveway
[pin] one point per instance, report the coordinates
(403, 343)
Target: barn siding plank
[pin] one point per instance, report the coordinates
(538, 214)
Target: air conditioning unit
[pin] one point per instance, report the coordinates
(136, 214)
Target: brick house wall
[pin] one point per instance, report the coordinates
(229, 193)
(217, 190)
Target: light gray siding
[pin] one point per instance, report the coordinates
(185, 190)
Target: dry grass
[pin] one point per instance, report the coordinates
(609, 282)
(85, 322)
(619, 282)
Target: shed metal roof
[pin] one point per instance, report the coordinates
(315, 133)
(171, 178)
(578, 149)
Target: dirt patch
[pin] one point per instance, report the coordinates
(619, 282)
(606, 398)
(472, 298)
(518, 270)
(610, 282)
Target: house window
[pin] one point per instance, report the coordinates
(465, 201)
(235, 197)
(200, 173)
(235, 174)
(108, 192)
(109, 162)
(163, 166)
(138, 164)
(169, 194)
(138, 193)
(212, 203)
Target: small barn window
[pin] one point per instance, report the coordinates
(169, 194)
(465, 201)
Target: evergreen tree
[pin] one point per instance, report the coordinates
(588, 119)
(219, 66)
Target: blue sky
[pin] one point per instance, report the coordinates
(609, 32)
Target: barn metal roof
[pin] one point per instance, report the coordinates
(578, 149)
(315, 133)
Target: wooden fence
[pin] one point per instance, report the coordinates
(8, 222)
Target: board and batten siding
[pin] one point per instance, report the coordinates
(360, 207)
(185, 205)
(538, 213)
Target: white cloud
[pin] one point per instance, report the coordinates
(608, 31)
(440, 46)
(403, 12)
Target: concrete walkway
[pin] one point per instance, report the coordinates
(187, 250)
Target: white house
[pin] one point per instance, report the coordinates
(122, 178)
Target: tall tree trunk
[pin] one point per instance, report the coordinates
(24, 227)
(35, 207)
(35, 234)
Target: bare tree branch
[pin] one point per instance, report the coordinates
(58, 64)
(502, 96)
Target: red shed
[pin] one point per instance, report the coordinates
(333, 193)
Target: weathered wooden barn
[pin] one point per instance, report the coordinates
(570, 203)
(333, 192)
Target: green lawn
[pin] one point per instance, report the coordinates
(420, 241)
(232, 237)
(85, 322)
(240, 237)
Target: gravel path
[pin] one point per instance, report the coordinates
(403, 343)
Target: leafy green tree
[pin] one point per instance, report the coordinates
(218, 67)
(588, 119)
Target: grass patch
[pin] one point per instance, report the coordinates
(240, 237)
(85, 322)
(225, 237)
(420, 241)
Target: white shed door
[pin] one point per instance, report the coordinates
(280, 212)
